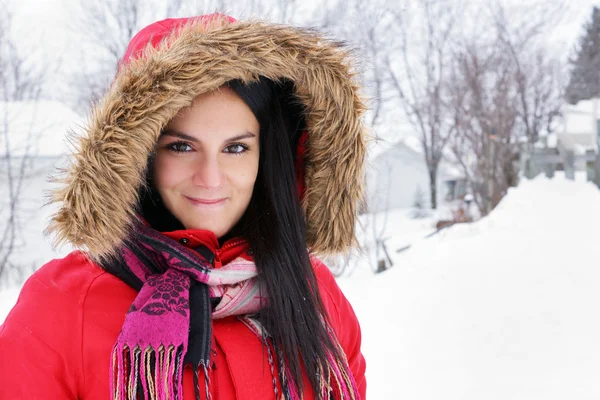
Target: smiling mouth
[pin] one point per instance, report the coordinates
(206, 202)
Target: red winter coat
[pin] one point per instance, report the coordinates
(57, 340)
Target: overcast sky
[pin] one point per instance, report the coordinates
(42, 26)
(43, 22)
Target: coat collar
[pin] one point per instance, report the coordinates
(223, 253)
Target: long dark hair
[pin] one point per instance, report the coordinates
(275, 226)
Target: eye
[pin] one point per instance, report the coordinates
(179, 147)
(236, 148)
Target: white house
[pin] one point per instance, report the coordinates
(397, 175)
(580, 130)
(573, 146)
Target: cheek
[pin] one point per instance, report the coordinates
(245, 176)
(167, 172)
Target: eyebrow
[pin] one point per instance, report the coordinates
(185, 136)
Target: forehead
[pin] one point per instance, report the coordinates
(221, 112)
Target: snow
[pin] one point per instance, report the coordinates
(399, 228)
(501, 308)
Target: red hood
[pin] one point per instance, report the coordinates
(155, 33)
(189, 57)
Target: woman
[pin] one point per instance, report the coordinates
(221, 151)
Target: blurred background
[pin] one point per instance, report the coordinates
(475, 276)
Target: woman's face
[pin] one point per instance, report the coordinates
(207, 161)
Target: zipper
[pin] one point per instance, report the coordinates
(217, 262)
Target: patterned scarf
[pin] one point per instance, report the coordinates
(175, 284)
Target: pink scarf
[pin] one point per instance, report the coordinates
(170, 321)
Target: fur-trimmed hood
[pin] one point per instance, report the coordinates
(169, 64)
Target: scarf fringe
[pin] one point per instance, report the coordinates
(339, 370)
(335, 381)
(157, 373)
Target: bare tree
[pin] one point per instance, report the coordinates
(539, 75)
(485, 117)
(419, 71)
(367, 28)
(106, 27)
(584, 79)
(372, 29)
(18, 82)
(505, 91)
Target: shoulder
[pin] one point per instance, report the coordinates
(325, 278)
(45, 326)
(66, 294)
(55, 297)
(71, 279)
(63, 307)
(343, 321)
(334, 301)
(58, 283)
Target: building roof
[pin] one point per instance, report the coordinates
(447, 170)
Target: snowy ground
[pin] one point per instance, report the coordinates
(504, 308)
(500, 309)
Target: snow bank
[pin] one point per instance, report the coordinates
(503, 308)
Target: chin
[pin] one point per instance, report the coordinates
(219, 231)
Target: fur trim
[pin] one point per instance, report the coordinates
(99, 191)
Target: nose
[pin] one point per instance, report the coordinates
(207, 172)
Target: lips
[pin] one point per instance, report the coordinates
(206, 202)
